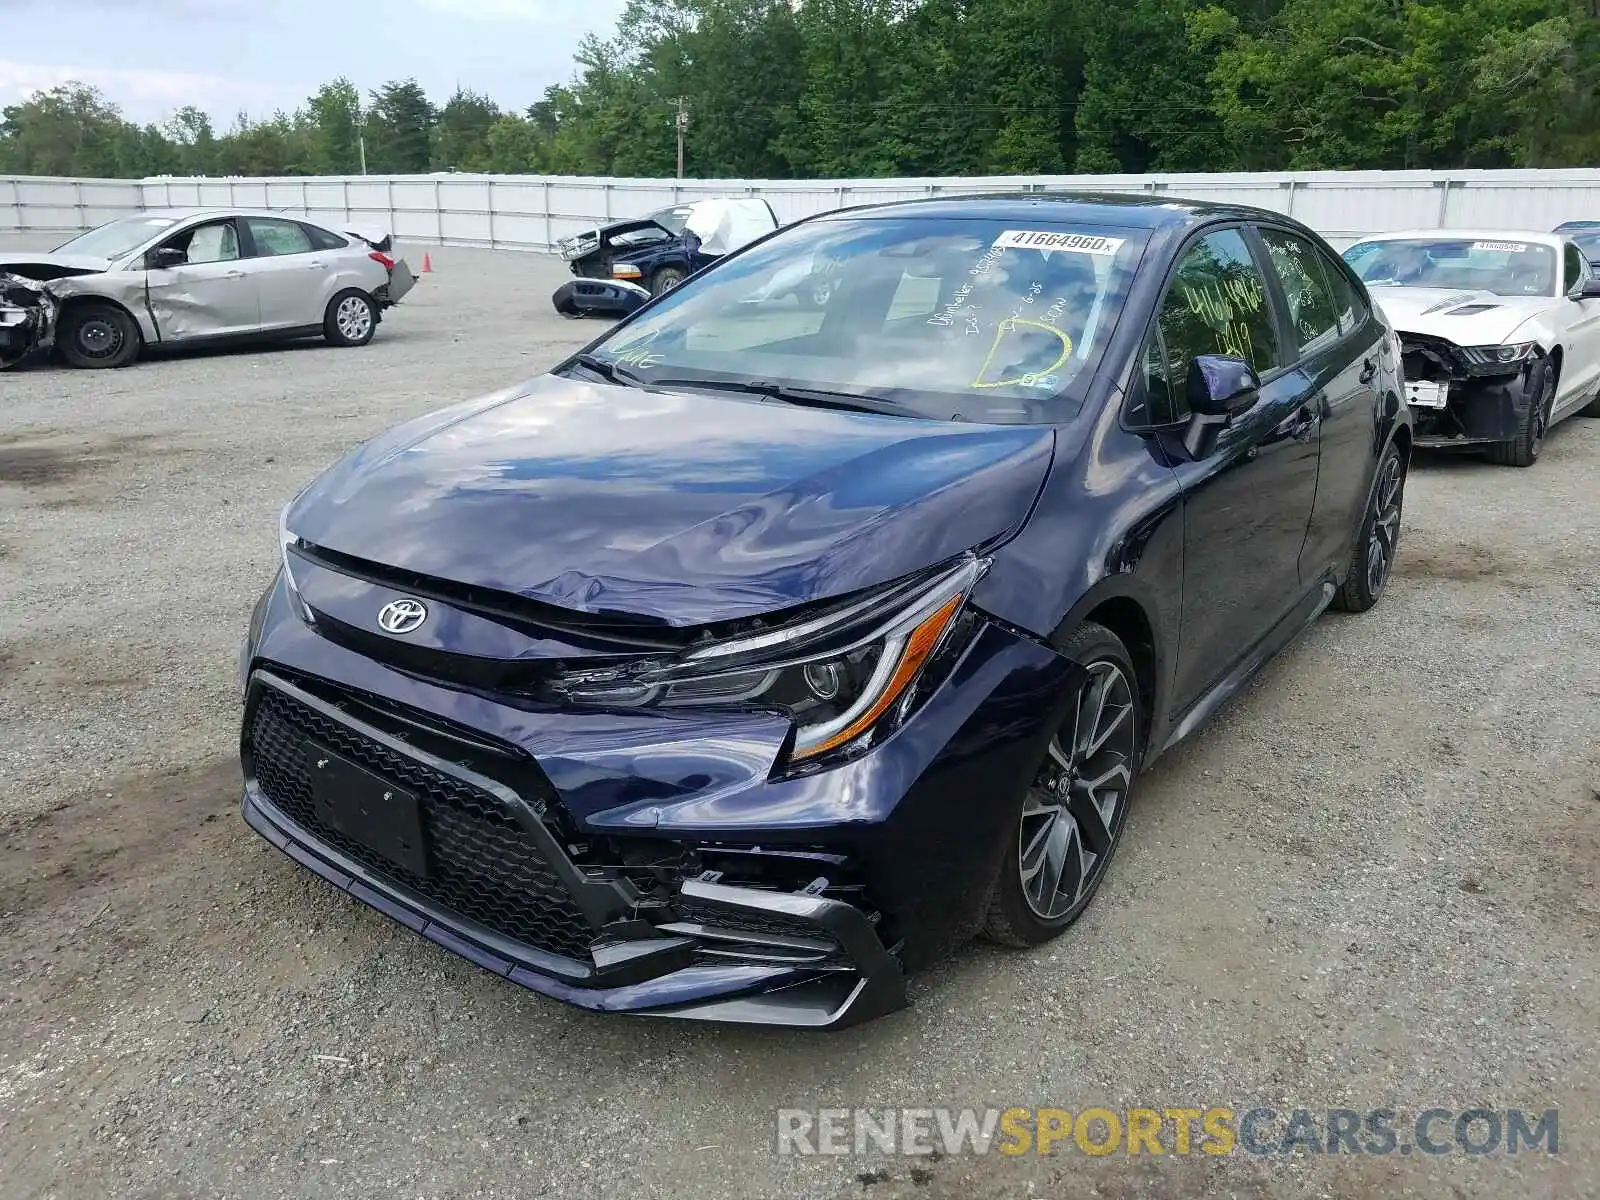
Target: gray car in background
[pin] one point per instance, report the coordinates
(173, 277)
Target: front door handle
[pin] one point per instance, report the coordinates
(234, 275)
(1304, 424)
(1369, 371)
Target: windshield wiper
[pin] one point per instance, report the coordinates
(610, 371)
(789, 394)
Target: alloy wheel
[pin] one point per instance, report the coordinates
(1385, 535)
(354, 318)
(1076, 806)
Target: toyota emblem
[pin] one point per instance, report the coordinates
(402, 616)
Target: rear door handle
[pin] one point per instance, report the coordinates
(317, 266)
(234, 275)
(1304, 423)
(1369, 371)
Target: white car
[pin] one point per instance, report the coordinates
(188, 276)
(1500, 332)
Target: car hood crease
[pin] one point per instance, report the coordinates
(672, 506)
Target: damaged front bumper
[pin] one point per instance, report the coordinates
(500, 888)
(27, 319)
(1457, 400)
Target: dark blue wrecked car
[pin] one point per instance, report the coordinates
(621, 264)
(763, 652)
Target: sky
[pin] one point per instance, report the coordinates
(151, 57)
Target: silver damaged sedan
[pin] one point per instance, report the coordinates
(173, 277)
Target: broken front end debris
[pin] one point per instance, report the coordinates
(1462, 396)
(27, 319)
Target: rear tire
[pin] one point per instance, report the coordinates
(1523, 450)
(1372, 559)
(1069, 821)
(99, 337)
(351, 319)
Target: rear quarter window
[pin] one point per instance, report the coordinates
(321, 239)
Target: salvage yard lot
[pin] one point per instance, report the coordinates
(1370, 882)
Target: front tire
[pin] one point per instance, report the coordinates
(665, 280)
(351, 319)
(1070, 820)
(99, 337)
(1523, 450)
(1372, 560)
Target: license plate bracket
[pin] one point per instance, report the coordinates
(1426, 394)
(368, 809)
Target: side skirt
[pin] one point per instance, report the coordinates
(1311, 606)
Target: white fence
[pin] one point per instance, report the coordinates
(532, 212)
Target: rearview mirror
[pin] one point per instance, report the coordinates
(164, 258)
(1218, 389)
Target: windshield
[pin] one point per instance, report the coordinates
(1505, 268)
(673, 218)
(116, 238)
(988, 320)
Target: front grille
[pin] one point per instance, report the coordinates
(485, 866)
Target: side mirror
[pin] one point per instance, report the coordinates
(1589, 291)
(1221, 387)
(165, 258)
(1218, 389)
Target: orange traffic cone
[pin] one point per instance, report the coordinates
(427, 264)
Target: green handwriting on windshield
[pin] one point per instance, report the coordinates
(637, 353)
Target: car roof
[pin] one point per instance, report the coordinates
(1146, 210)
(1461, 235)
(183, 214)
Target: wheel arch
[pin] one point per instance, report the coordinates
(70, 304)
(1133, 618)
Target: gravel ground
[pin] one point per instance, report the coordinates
(1370, 882)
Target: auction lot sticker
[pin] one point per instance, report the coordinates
(1039, 239)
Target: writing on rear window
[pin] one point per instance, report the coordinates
(1039, 239)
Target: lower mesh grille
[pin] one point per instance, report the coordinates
(484, 866)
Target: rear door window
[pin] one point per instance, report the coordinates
(273, 237)
(1305, 288)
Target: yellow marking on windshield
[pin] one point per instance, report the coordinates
(1005, 327)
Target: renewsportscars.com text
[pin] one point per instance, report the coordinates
(1258, 1131)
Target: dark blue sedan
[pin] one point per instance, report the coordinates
(764, 651)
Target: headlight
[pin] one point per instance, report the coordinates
(1493, 356)
(836, 676)
(287, 539)
(252, 638)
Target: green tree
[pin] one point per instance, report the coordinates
(334, 114)
(461, 135)
(399, 127)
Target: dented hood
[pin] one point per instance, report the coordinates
(681, 507)
(52, 266)
(1465, 318)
